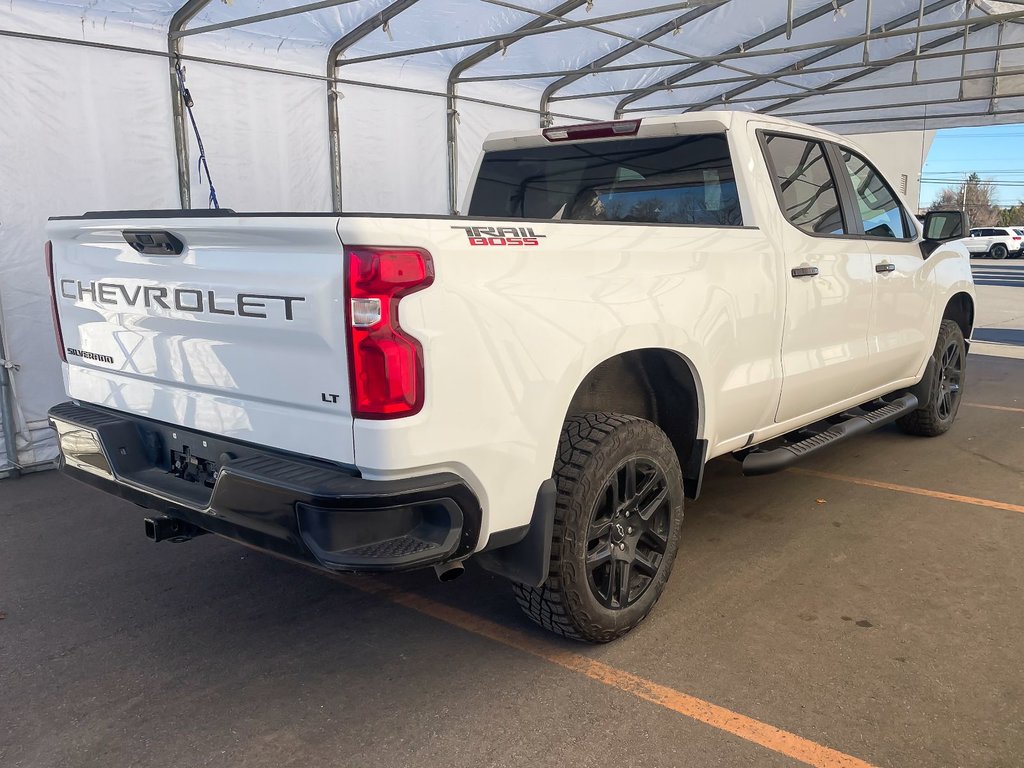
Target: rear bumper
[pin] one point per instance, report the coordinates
(315, 512)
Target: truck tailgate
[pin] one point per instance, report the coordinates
(241, 334)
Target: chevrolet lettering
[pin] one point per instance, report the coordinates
(255, 305)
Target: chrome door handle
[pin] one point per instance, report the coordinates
(803, 271)
(884, 268)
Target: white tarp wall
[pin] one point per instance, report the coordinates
(68, 142)
(87, 128)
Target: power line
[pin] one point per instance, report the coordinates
(976, 170)
(980, 136)
(1011, 183)
(947, 183)
(991, 182)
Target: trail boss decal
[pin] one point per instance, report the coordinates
(501, 235)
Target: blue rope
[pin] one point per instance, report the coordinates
(186, 97)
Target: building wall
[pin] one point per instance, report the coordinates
(900, 153)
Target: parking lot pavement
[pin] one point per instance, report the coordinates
(999, 325)
(1006, 273)
(870, 624)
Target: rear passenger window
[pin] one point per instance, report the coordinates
(880, 212)
(806, 187)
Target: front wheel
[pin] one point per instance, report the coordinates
(618, 516)
(999, 251)
(936, 416)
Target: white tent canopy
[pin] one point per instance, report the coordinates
(351, 104)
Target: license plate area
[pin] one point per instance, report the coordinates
(180, 463)
(191, 468)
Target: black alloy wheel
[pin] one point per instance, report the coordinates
(628, 533)
(951, 371)
(938, 409)
(616, 532)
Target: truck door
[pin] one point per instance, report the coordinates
(829, 281)
(900, 335)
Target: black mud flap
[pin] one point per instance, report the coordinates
(526, 559)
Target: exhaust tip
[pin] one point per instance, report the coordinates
(449, 571)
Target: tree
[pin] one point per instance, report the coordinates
(974, 196)
(1012, 216)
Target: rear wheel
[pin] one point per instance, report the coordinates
(998, 251)
(937, 415)
(618, 516)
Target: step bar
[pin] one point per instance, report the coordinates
(848, 424)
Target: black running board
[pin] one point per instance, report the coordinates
(854, 422)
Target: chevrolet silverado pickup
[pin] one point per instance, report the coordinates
(537, 384)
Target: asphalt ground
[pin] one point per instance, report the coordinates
(864, 610)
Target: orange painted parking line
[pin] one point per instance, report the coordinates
(996, 407)
(911, 489)
(768, 736)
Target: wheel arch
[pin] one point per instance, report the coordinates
(656, 384)
(960, 309)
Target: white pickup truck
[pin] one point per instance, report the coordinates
(536, 385)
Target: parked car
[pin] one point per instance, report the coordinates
(996, 242)
(537, 385)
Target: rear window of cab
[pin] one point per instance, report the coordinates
(663, 180)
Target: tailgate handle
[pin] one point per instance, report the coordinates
(154, 243)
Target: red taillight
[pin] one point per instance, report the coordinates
(53, 302)
(593, 130)
(385, 363)
(1016, 238)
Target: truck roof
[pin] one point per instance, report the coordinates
(712, 121)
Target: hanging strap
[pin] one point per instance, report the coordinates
(186, 98)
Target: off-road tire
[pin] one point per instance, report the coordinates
(929, 420)
(998, 251)
(591, 451)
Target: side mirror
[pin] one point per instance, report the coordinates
(942, 226)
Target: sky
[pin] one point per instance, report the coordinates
(995, 152)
